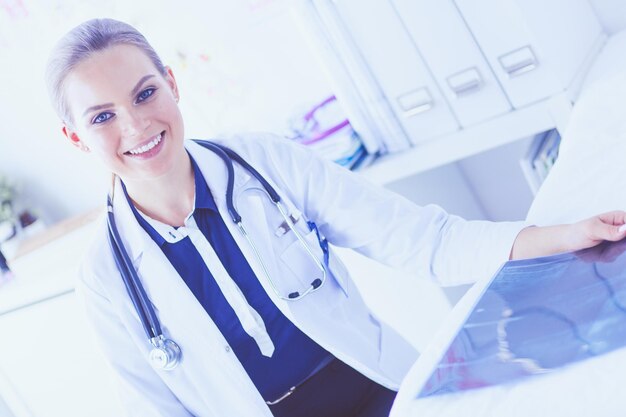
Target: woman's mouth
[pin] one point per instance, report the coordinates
(149, 149)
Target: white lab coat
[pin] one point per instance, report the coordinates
(348, 210)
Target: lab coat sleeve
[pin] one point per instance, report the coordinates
(141, 390)
(352, 212)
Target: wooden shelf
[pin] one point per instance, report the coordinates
(56, 231)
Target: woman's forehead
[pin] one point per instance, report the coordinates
(114, 61)
(107, 76)
(119, 65)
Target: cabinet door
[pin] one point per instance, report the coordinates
(393, 59)
(51, 361)
(448, 48)
(535, 47)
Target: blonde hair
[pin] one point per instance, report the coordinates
(80, 43)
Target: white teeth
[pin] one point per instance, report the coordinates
(145, 148)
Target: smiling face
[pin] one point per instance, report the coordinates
(125, 112)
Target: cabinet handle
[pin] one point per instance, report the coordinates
(416, 102)
(519, 61)
(465, 82)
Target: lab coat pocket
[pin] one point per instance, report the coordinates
(304, 269)
(397, 355)
(339, 272)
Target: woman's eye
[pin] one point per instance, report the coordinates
(145, 94)
(102, 117)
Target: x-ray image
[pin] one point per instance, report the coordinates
(536, 316)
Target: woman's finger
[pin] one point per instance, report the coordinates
(608, 226)
(616, 217)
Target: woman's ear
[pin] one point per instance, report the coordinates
(74, 139)
(171, 80)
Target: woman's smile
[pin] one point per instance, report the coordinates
(147, 149)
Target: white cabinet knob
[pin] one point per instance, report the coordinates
(465, 82)
(416, 102)
(519, 61)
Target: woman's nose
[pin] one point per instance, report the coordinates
(133, 123)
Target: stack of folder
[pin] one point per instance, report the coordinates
(540, 158)
(326, 130)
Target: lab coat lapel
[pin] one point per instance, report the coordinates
(166, 290)
(171, 298)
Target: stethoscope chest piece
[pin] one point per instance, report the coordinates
(165, 354)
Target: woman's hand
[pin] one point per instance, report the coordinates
(542, 241)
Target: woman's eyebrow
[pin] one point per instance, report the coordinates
(98, 107)
(132, 94)
(141, 81)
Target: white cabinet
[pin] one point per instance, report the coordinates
(535, 47)
(464, 76)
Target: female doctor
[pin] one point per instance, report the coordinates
(258, 317)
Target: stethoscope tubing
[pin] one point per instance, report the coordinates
(133, 285)
(130, 289)
(230, 183)
(228, 155)
(135, 289)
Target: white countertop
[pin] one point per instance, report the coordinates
(593, 387)
(47, 271)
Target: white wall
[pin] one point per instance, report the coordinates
(497, 182)
(445, 186)
(612, 14)
(52, 176)
(487, 186)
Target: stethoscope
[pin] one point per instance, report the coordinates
(165, 353)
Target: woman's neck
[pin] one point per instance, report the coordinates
(169, 198)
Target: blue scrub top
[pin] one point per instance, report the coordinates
(295, 357)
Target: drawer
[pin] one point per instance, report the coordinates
(395, 62)
(456, 62)
(535, 47)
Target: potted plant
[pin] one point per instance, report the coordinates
(7, 214)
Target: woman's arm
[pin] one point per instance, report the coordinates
(540, 241)
(421, 240)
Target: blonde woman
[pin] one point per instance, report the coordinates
(210, 321)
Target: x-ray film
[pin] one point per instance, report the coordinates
(536, 316)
